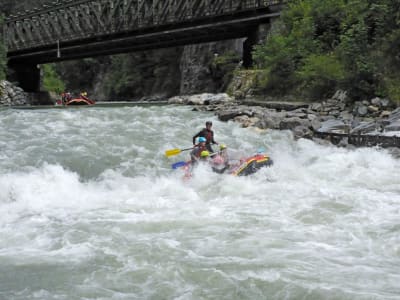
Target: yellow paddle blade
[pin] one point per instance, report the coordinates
(172, 152)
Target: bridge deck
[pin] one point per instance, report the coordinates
(85, 28)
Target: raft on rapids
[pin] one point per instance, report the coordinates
(236, 167)
(80, 101)
(67, 99)
(251, 165)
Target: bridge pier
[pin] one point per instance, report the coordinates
(27, 76)
(256, 36)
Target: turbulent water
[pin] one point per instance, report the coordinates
(90, 208)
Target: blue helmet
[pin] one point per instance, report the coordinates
(202, 139)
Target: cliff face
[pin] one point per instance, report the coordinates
(153, 74)
(199, 71)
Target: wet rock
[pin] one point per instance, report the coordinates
(337, 126)
(365, 127)
(394, 126)
(246, 121)
(227, 115)
(302, 132)
(291, 123)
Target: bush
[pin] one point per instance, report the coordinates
(320, 75)
(51, 80)
(324, 45)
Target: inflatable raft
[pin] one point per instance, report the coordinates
(80, 101)
(251, 165)
(243, 167)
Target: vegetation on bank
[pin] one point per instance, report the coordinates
(321, 46)
(51, 80)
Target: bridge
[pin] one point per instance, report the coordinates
(75, 29)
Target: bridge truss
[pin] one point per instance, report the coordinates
(66, 28)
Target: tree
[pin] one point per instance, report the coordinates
(51, 80)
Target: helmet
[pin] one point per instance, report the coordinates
(260, 150)
(204, 153)
(202, 139)
(208, 123)
(222, 147)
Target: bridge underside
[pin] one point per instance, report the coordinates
(206, 30)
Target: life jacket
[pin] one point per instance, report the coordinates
(208, 134)
(199, 149)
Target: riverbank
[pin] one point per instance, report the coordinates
(317, 120)
(338, 119)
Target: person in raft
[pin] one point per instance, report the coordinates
(208, 134)
(196, 152)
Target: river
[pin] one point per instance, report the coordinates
(91, 209)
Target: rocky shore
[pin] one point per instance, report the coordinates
(11, 94)
(337, 115)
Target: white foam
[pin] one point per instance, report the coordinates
(99, 194)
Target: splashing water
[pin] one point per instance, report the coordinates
(91, 209)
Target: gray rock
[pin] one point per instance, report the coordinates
(302, 132)
(227, 115)
(336, 126)
(365, 127)
(394, 126)
(291, 123)
(341, 96)
(362, 110)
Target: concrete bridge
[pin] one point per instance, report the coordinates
(75, 29)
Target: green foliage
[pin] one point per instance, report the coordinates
(278, 58)
(325, 45)
(320, 75)
(51, 80)
(223, 67)
(392, 86)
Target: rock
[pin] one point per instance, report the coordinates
(362, 110)
(340, 96)
(177, 100)
(12, 95)
(271, 119)
(385, 103)
(336, 126)
(346, 116)
(246, 121)
(372, 108)
(376, 101)
(302, 132)
(384, 114)
(316, 107)
(394, 126)
(227, 115)
(316, 124)
(291, 123)
(365, 127)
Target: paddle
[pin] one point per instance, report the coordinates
(172, 152)
(178, 164)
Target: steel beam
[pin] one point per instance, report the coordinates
(66, 21)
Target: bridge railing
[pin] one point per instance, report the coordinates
(66, 21)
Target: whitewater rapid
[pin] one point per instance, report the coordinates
(90, 208)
